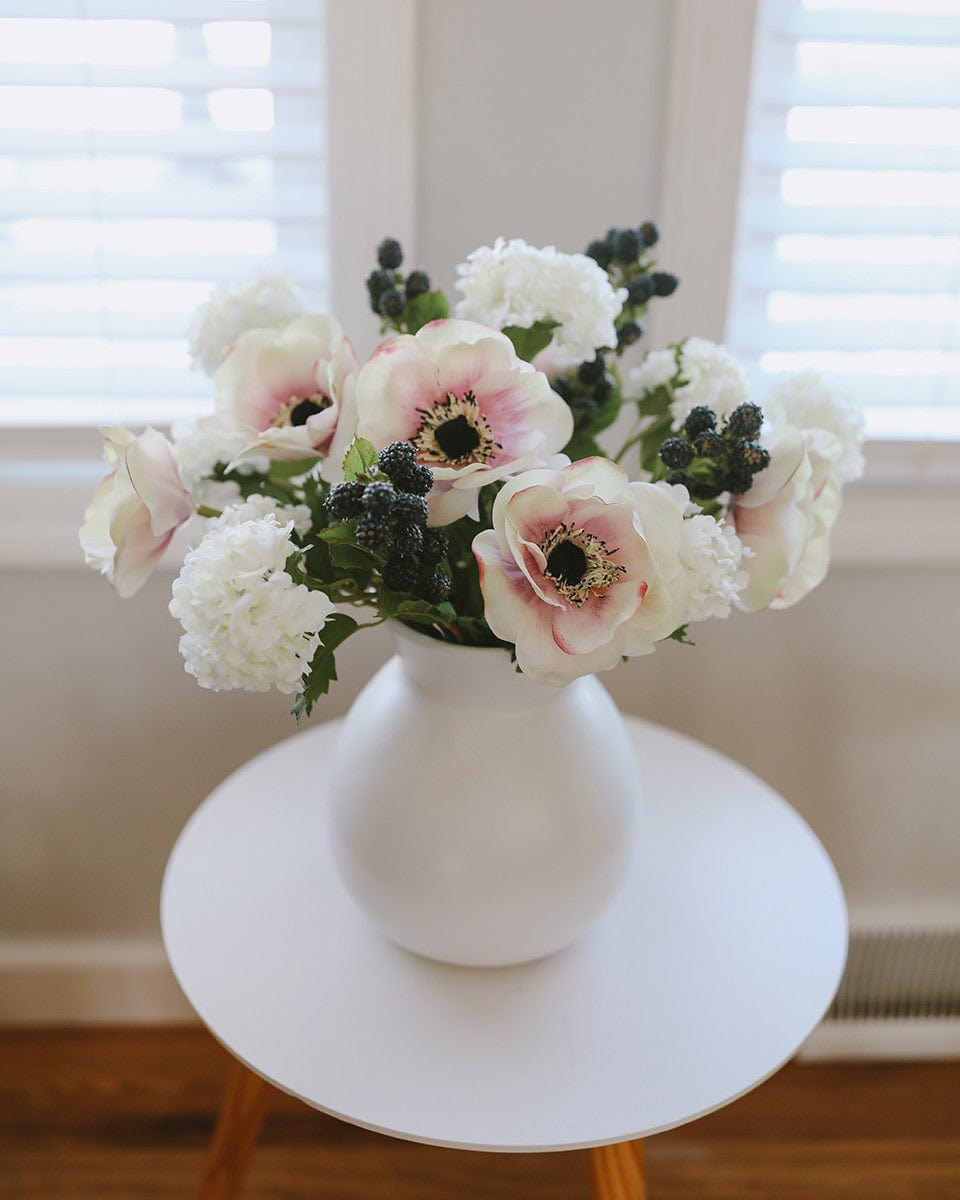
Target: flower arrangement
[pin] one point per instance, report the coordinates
(456, 480)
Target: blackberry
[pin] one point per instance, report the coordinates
(752, 456)
(345, 500)
(434, 587)
(374, 533)
(396, 458)
(593, 370)
(418, 282)
(377, 283)
(401, 573)
(600, 252)
(650, 233)
(677, 453)
(664, 284)
(410, 509)
(419, 481)
(639, 290)
(391, 303)
(584, 409)
(627, 246)
(435, 547)
(389, 254)
(681, 477)
(745, 421)
(702, 491)
(408, 539)
(699, 420)
(737, 480)
(602, 388)
(709, 444)
(562, 385)
(629, 333)
(378, 498)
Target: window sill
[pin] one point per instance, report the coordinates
(904, 512)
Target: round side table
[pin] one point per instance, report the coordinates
(719, 957)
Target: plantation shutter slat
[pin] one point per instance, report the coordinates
(148, 153)
(848, 248)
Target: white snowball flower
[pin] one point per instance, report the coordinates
(712, 377)
(246, 623)
(513, 283)
(711, 554)
(270, 301)
(203, 443)
(657, 369)
(257, 506)
(829, 418)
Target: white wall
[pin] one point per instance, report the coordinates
(540, 120)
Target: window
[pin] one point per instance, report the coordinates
(147, 153)
(848, 243)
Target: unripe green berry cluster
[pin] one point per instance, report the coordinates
(387, 287)
(708, 460)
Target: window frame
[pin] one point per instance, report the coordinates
(47, 474)
(906, 510)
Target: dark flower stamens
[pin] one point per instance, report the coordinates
(454, 433)
(579, 563)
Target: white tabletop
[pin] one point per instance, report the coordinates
(716, 961)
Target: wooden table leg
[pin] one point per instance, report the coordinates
(235, 1136)
(618, 1172)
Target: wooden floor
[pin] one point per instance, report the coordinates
(126, 1114)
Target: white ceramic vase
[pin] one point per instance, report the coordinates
(478, 817)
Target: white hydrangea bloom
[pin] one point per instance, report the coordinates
(830, 418)
(713, 377)
(270, 301)
(513, 283)
(658, 368)
(246, 623)
(711, 555)
(199, 446)
(257, 506)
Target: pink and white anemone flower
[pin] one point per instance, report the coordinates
(136, 509)
(578, 567)
(785, 521)
(287, 390)
(472, 409)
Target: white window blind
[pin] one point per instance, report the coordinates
(848, 248)
(147, 152)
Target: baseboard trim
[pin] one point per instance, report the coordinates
(88, 981)
(883, 1039)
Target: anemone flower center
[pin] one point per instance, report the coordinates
(299, 409)
(454, 433)
(579, 564)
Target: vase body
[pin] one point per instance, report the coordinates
(478, 817)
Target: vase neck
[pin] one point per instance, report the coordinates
(469, 676)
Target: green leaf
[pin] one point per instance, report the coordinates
(529, 342)
(680, 635)
(653, 439)
(655, 403)
(323, 667)
(334, 533)
(290, 470)
(360, 459)
(582, 445)
(346, 556)
(422, 309)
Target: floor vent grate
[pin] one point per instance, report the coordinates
(897, 974)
